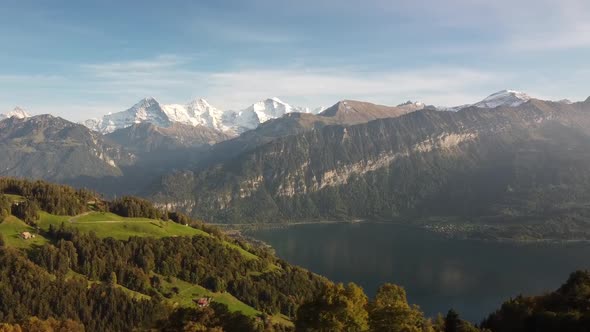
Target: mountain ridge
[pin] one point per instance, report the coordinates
(65, 149)
(423, 164)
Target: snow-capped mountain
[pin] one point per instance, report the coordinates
(196, 113)
(146, 110)
(17, 112)
(510, 98)
(416, 104)
(565, 101)
(262, 111)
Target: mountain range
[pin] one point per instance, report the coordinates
(509, 161)
(520, 170)
(196, 113)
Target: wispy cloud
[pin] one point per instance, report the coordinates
(502, 26)
(135, 67)
(321, 86)
(167, 76)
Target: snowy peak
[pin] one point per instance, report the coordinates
(262, 111)
(200, 104)
(17, 112)
(412, 103)
(146, 110)
(196, 113)
(270, 108)
(509, 98)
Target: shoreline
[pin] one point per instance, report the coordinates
(459, 234)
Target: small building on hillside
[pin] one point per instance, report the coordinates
(26, 235)
(203, 302)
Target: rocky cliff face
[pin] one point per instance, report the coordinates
(509, 161)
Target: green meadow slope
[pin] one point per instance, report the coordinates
(147, 254)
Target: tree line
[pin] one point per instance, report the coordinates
(339, 307)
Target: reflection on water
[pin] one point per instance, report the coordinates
(471, 276)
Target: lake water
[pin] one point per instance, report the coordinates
(472, 277)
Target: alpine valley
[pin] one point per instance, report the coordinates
(509, 166)
(410, 181)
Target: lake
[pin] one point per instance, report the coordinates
(473, 277)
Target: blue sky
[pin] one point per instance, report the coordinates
(81, 59)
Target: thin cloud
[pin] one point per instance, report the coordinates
(113, 69)
(166, 77)
(321, 86)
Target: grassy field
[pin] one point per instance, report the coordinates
(12, 227)
(120, 228)
(187, 292)
(104, 224)
(15, 198)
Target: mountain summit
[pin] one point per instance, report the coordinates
(510, 98)
(352, 111)
(146, 110)
(260, 112)
(503, 98)
(17, 112)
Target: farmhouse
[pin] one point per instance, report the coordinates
(26, 235)
(203, 302)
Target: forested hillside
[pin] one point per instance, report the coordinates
(150, 264)
(71, 261)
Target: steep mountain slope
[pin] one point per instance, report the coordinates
(352, 112)
(147, 137)
(125, 161)
(344, 113)
(526, 162)
(52, 148)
